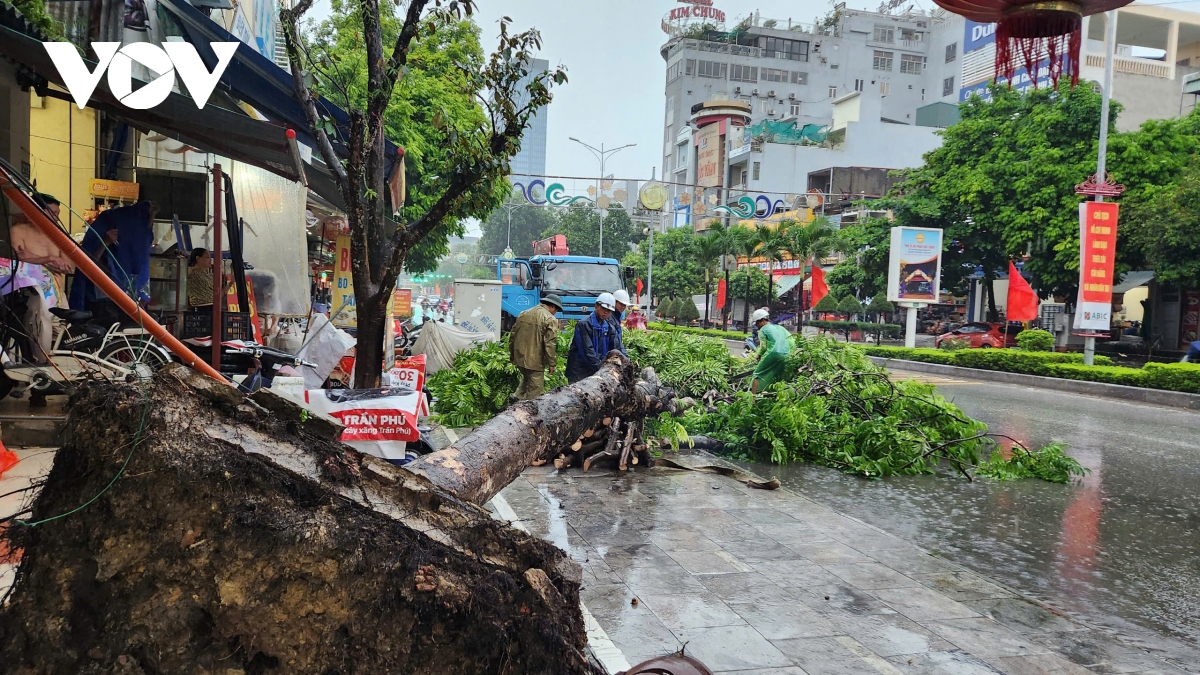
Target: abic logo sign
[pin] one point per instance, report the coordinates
(164, 61)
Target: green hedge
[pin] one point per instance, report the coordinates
(1173, 376)
(1133, 377)
(869, 327)
(1184, 377)
(709, 332)
(1008, 360)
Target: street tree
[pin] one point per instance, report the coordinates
(769, 243)
(849, 306)
(1163, 223)
(864, 271)
(750, 283)
(677, 271)
(686, 311)
(829, 303)
(808, 243)
(528, 224)
(580, 224)
(465, 118)
(881, 305)
(710, 246)
(1002, 184)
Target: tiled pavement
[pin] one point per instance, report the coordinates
(757, 582)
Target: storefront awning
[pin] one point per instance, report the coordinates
(257, 80)
(786, 282)
(1132, 280)
(228, 133)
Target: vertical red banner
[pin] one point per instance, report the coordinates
(1099, 251)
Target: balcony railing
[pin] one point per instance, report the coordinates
(1133, 66)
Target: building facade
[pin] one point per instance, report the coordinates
(870, 89)
(531, 160)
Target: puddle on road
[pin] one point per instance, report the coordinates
(1121, 548)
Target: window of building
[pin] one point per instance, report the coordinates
(912, 64)
(799, 78)
(882, 60)
(911, 35)
(948, 86)
(774, 75)
(690, 68)
(922, 94)
(859, 85)
(779, 48)
(885, 34)
(794, 109)
(739, 73)
(757, 170)
(681, 155)
(833, 92)
(951, 52)
(670, 110)
(674, 71)
(713, 69)
(885, 88)
(742, 178)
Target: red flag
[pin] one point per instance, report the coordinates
(639, 289)
(721, 294)
(819, 289)
(1022, 301)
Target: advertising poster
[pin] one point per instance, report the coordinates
(710, 160)
(1189, 327)
(409, 373)
(402, 303)
(1097, 253)
(915, 265)
(343, 287)
(378, 422)
(390, 328)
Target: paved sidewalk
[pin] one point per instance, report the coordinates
(758, 582)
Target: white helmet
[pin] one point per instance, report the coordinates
(622, 296)
(758, 315)
(607, 301)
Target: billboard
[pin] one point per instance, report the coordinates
(345, 313)
(710, 158)
(1020, 81)
(915, 265)
(977, 35)
(1097, 253)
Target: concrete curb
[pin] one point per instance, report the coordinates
(1171, 399)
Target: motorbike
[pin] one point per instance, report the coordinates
(83, 348)
(260, 364)
(406, 337)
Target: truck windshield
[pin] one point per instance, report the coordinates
(586, 278)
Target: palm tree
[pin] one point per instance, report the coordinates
(709, 248)
(769, 243)
(738, 241)
(809, 241)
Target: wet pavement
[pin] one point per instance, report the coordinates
(1121, 549)
(764, 582)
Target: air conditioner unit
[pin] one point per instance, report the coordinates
(791, 97)
(771, 94)
(754, 93)
(737, 90)
(771, 112)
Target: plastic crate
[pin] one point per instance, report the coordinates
(199, 324)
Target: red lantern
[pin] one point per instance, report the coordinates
(1026, 32)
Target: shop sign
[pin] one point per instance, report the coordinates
(710, 162)
(409, 373)
(1097, 253)
(114, 189)
(343, 286)
(696, 10)
(167, 60)
(915, 265)
(402, 303)
(1189, 327)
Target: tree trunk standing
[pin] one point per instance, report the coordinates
(746, 309)
(770, 285)
(989, 280)
(707, 301)
(482, 463)
(369, 353)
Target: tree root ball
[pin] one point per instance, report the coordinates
(235, 542)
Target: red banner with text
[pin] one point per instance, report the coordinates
(1097, 254)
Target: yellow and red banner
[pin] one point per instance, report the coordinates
(1097, 255)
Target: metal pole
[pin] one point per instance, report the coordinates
(910, 328)
(508, 242)
(599, 194)
(218, 329)
(650, 268)
(1110, 50)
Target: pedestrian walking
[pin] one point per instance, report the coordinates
(594, 338)
(533, 346)
(776, 345)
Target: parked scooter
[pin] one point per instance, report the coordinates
(406, 338)
(84, 348)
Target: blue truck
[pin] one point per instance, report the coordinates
(578, 280)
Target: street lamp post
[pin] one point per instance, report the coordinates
(510, 206)
(602, 155)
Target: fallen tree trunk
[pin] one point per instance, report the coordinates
(482, 463)
(186, 529)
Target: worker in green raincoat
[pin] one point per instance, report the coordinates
(533, 346)
(776, 344)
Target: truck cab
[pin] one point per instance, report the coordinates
(578, 281)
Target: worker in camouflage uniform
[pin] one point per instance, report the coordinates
(533, 346)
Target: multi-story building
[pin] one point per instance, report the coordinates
(870, 89)
(531, 160)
